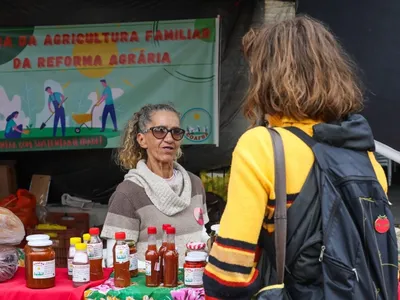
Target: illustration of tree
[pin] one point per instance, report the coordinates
(31, 107)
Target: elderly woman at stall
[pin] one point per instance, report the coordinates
(156, 190)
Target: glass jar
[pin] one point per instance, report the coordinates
(195, 247)
(27, 248)
(193, 269)
(41, 267)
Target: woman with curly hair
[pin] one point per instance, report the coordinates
(156, 190)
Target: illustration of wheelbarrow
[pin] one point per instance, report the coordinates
(83, 119)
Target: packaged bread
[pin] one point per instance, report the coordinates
(8, 262)
(12, 230)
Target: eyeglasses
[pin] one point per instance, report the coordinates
(160, 132)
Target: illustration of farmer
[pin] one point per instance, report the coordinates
(12, 130)
(108, 107)
(57, 99)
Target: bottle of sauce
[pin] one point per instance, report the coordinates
(152, 259)
(80, 266)
(41, 267)
(133, 260)
(162, 250)
(171, 260)
(86, 238)
(122, 277)
(95, 253)
(71, 253)
(27, 248)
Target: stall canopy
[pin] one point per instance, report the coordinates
(92, 173)
(368, 31)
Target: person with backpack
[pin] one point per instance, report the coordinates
(317, 152)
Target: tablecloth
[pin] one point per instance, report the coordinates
(15, 288)
(139, 291)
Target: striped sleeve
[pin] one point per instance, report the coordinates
(121, 216)
(231, 272)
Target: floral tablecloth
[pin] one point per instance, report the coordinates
(139, 291)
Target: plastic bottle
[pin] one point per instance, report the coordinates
(122, 276)
(162, 250)
(95, 253)
(171, 260)
(71, 253)
(133, 259)
(80, 266)
(86, 238)
(152, 259)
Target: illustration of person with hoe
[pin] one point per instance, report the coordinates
(13, 131)
(57, 99)
(108, 107)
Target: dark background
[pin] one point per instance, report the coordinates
(369, 30)
(92, 174)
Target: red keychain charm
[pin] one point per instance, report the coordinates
(382, 224)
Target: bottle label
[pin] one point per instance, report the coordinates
(194, 276)
(157, 266)
(44, 269)
(133, 262)
(81, 273)
(148, 268)
(121, 253)
(70, 260)
(95, 251)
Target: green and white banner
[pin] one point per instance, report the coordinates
(75, 87)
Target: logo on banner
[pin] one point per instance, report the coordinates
(198, 123)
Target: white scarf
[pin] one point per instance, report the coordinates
(158, 189)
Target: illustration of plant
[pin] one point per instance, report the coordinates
(31, 108)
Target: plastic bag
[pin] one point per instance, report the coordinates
(8, 262)
(12, 230)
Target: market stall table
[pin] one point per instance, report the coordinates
(139, 291)
(15, 288)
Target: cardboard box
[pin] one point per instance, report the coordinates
(40, 186)
(8, 180)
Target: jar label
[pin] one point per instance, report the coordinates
(81, 273)
(95, 251)
(193, 276)
(133, 262)
(70, 260)
(148, 268)
(44, 269)
(121, 253)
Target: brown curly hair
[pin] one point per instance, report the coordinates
(299, 70)
(130, 152)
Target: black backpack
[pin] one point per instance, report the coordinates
(341, 242)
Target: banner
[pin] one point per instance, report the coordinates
(75, 87)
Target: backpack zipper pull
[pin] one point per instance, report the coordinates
(321, 255)
(355, 272)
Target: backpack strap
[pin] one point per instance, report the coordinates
(280, 217)
(308, 140)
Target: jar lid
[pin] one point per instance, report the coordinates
(196, 256)
(94, 231)
(215, 228)
(120, 235)
(37, 237)
(195, 246)
(40, 243)
(81, 246)
(86, 237)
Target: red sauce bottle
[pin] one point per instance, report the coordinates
(122, 276)
(95, 253)
(152, 259)
(162, 250)
(171, 260)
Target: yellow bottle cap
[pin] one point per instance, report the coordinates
(75, 240)
(86, 237)
(81, 246)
